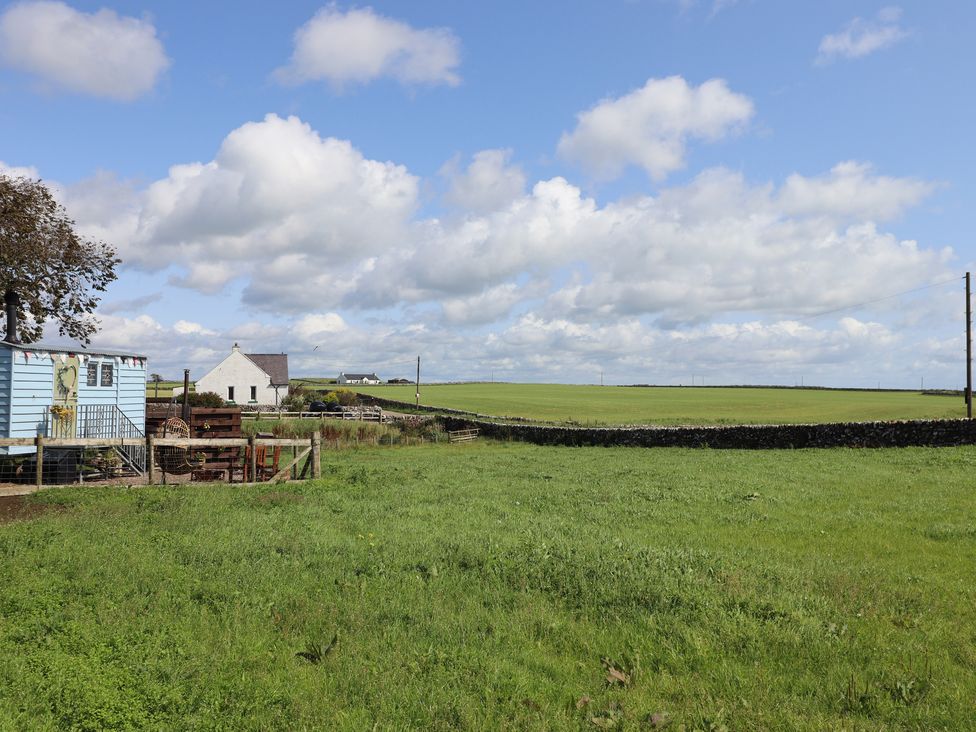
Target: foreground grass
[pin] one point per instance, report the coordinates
(674, 405)
(496, 586)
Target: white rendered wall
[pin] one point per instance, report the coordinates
(242, 373)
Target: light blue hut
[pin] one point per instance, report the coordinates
(64, 392)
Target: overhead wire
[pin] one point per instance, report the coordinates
(857, 305)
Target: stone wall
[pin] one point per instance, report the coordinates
(940, 433)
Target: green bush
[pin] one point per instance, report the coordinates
(346, 397)
(204, 399)
(296, 401)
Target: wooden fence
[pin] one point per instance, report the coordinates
(311, 452)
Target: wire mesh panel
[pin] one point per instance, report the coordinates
(98, 421)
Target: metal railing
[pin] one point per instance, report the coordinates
(100, 421)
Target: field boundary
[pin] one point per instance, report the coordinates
(903, 433)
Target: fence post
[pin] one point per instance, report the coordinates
(317, 454)
(39, 442)
(253, 459)
(150, 458)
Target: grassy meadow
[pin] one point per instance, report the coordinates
(505, 586)
(165, 389)
(596, 405)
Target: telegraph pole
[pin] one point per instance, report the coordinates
(969, 350)
(418, 381)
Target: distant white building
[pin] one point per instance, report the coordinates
(358, 379)
(256, 379)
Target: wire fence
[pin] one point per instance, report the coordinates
(61, 461)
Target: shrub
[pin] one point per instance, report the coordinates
(204, 399)
(295, 401)
(346, 397)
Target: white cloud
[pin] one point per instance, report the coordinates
(852, 190)
(489, 306)
(101, 54)
(187, 327)
(860, 37)
(359, 45)
(651, 126)
(488, 183)
(313, 328)
(277, 197)
(17, 171)
(306, 224)
(328, 246)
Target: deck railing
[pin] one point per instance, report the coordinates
(100, 421)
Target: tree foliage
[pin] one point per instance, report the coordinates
(53, 270)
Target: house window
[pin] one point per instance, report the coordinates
(230, 393)
(254, 393)
(108, 372)
(92, 379)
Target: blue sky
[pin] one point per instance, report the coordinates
(652, 189)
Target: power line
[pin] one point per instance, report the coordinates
(880, 299)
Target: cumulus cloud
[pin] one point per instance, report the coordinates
(534, 347)
(18, 171)
(544, 279)
(860, 37)
(312, 328)
(360, 45)
(102, 54)
(852, 190)
(651, 126)
(135, 304)
(306, 224)
(275, 194)
(487, 184)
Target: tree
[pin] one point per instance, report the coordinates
(47, 270)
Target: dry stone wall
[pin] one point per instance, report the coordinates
(936, 433)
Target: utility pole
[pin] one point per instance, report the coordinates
(418, 381)
(969, 350)
(601, 378)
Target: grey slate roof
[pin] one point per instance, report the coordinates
(274, 365)
(360, 377)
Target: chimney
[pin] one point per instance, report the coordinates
(236, 349)
(11, 302)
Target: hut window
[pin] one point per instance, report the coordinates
(108, 372)
(254, 393)
(92, 374)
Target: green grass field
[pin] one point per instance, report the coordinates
(672, 406)
(165, 389)
(505, 586)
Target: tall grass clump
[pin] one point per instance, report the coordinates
(335, 432)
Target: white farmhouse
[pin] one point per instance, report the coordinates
(345, 378)
(257, 379)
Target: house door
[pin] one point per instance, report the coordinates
(64, 410)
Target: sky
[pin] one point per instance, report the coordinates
(626, 191)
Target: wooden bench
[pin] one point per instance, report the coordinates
(462, 435)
